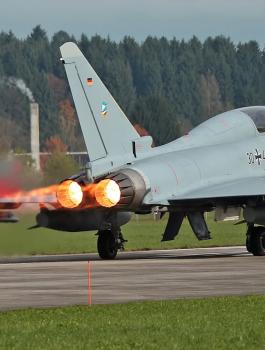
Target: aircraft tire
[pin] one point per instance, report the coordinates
(248, 244)
(257, 241)
(107, 245)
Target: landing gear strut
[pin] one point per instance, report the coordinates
(109, 243)
(255, 241)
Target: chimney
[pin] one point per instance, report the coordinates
(35, 137)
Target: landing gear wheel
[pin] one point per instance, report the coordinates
(107, 245)
(256, 241)
(248, 244)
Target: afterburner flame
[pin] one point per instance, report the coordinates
(107, 193)
(37, 195)
(69, 194)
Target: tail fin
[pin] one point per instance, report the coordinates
(108, 134)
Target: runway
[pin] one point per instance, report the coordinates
(133, 276)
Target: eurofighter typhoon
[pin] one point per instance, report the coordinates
(218, 166)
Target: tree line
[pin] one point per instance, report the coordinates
(165, 87)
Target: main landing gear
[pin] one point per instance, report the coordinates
(109, 242)
(255, 241)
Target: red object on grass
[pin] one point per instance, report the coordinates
(89, 266)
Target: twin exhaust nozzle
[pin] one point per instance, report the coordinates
(125, 189)
(106, 193)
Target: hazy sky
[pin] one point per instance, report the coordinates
(242, 20)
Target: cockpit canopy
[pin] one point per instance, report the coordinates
(257, 114)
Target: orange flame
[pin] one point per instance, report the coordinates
(70, 194)
(107, 193)
(38, 195)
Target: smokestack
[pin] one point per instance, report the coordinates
(35, 137)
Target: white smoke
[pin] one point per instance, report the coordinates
(21, 85)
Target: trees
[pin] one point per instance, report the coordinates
(59, 166)
(166, 86)
(210, 96)
(14, 117)
(249, 75)
(156, 115)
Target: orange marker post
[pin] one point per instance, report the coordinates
(89, 266)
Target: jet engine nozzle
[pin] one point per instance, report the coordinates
(132, 188)
(107, 193)
(124, 190)
(69, 194)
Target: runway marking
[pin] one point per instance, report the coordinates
(89, 268)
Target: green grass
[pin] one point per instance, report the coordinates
(142, 233)
(216, 323)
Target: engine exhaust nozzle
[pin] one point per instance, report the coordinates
(69, 194)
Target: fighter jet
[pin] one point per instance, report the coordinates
(218, 166)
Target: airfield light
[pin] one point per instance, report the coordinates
(107, 193)
(69, 194)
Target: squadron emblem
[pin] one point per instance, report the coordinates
(104, 109)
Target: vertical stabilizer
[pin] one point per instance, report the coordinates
(108, 134)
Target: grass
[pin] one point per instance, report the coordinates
(142, 233)
(216, 323)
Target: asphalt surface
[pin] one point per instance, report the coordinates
(133, 276)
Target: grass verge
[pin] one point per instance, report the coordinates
(142, 233)
(215, 323)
